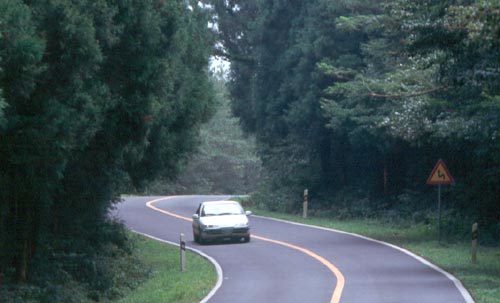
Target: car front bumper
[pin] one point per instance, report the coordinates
(225, 232)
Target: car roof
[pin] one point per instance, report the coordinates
(220, 202)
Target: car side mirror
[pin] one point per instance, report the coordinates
(248, 213)
(196, 217)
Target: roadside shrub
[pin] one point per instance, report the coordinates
(277, 200)
(101, 269)
(408, 208)
(67, 292)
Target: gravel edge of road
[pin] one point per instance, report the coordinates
(217, 266)
(458, 284)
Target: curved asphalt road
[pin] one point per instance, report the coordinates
(261, 271)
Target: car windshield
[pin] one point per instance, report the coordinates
(222, 209)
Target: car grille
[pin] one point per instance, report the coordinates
(240, 230)
(227, 231)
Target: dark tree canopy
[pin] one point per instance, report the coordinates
(357, 100)
(97, 97)
(225, 162)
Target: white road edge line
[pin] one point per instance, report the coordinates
(465, 294)
(217, 266)
(336, 272)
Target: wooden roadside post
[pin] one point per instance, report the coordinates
(305, 204)
(182, 247)
(474, 243)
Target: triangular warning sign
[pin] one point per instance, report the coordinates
(440, 175)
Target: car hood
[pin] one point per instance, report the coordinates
(225, 221)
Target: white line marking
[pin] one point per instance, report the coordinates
(218, 268)
(465, 294)
(337, 293)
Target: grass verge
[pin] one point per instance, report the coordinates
(166, 283)
(481, 279)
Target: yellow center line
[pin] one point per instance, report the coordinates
(337, 293)
(150, 205)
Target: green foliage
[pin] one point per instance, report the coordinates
(166, 283)
(225, 162)
(59, 276)
(96, 97)
(366, 96)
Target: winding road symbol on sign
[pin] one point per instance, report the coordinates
(440, 175)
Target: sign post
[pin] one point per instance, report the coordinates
(440, 176)
(439, 213)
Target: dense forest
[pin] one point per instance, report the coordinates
(358, 99)
(97, 98)
(355, 100)
(225, 161)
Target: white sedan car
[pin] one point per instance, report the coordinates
(220, 220)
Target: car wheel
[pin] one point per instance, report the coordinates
(247, 238)
(201, 240)
(196, 238)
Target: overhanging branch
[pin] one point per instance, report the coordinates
(414, 94)
(232, 57)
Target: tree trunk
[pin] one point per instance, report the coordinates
(22, 263)
(386, 190)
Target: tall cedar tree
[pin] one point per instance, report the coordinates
(364, 96)
(100, 96)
